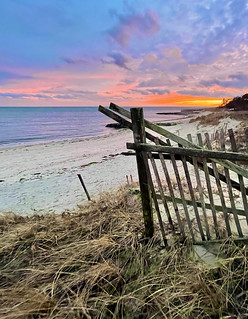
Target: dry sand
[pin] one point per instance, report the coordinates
(43, 178)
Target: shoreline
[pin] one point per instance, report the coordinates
(42, 178)
(188, 112)
(70, 140)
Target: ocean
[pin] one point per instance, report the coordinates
(32, 125)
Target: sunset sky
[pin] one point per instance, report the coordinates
(140, 53)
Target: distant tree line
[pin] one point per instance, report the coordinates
(237, 103)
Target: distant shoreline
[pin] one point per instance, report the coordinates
(186, 112)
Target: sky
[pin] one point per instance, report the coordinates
(132, 53)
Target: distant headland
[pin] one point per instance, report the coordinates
(237, 103)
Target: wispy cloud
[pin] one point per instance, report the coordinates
(149, 91)
(239, 81)
(155, 82)
(67, 95)
(206, 93)
(70, 94)
(215, 27)
(24, 95)
(73, 60)
(6, 76)
(158, 91)
(134, 24)
(118, 59)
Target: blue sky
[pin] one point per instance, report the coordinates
(58, 52)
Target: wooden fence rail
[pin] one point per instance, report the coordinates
(199, 192)
(152, 138)
(232, 156)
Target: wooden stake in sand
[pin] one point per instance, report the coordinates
(84, 187)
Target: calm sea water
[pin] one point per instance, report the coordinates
(31, 125)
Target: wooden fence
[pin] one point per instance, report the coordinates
(197, 192)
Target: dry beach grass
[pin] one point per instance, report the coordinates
(216, 115)
(94, 264)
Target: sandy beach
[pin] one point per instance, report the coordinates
(43, 178)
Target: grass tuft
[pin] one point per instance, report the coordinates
(94, 264)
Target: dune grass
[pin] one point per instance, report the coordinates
(94, 264)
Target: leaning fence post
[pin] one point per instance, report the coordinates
(84, 187)
(138, 127)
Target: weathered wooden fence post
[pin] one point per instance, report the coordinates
(138, 127)
(84, 187)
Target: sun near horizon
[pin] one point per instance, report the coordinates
(177, 100)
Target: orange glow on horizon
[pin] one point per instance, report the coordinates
(175, 99)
